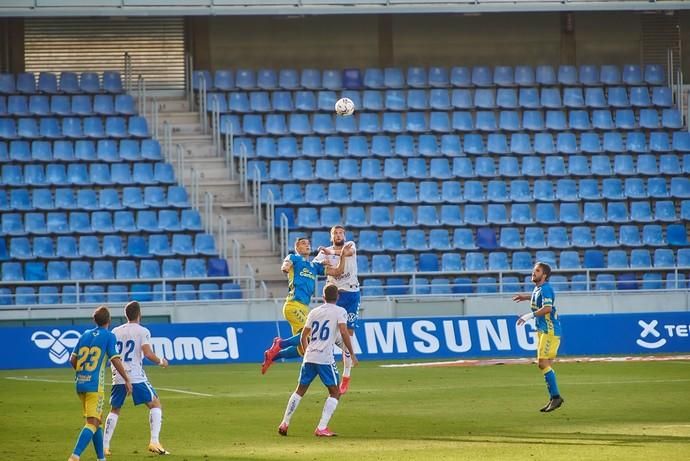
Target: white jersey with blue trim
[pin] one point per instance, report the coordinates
(130, 339)
(323, 322)
(348, 280)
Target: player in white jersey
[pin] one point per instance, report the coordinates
(318, 338)
(134, 343)
(348, 288)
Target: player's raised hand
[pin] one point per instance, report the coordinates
(347, 250)
(324, 250)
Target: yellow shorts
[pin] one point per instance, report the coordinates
(548, 346)
(296, 314)
(92, 404)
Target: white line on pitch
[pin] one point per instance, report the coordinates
(180, 391)
(44, 380)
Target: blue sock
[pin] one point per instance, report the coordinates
(291, 341)
(85, 436)
(98, 443)
(288, 353)
(551, 385)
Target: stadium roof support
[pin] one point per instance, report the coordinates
(74, 8)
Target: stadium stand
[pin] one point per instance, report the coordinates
(560, 159)
(87, 197)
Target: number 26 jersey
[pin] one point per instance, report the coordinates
(323, 322)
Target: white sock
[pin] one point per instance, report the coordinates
(156, 421)
(347, 364)
(110, 424)
(291, 407)
(328, 409)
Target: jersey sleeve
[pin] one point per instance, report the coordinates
(145, 336)
(79, 343)
(320, 258)
(547, 297)
(111, 346)
(342, 316)
(320, 268)
(307, 323)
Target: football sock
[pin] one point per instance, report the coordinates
(155, 420)
(288, 353)
(85, 436)
(551, 385)
(110, 424)
(98, 443)
(291, 407)
(347, 364)
(291, 341)
(328, 409)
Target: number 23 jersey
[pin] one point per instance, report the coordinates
(130, 339)
(93, 350)
(323, 321)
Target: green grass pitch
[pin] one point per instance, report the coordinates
(617, 411)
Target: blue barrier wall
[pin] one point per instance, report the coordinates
(409, 338)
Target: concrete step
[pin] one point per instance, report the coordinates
(173, 105)
(175, 118)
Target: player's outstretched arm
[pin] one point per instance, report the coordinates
(286, 266)
(117, 363)
(304, 337)
(148, 353)
(521, 297)
(337, 271)
(348, 343)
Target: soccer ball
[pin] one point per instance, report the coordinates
(344, 107)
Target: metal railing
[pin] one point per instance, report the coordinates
(167, 142)
(236, 251)
(194, 173)
(208, 212)
(222, 235)
(270, 218)
(500, 285)
(229, 153)
(203, 117)
(179, 153)
(189, 83)
(215, 125)
(284, 231)
(128, 73)
(161, 290)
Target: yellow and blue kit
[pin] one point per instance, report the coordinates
(545, 296)
(94, 349)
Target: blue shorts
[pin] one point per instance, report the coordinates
(349, 300)
(328, 374)
(141, 393)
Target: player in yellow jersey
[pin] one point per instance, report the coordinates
(89, 359)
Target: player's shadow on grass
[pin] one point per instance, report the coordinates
(567, 439)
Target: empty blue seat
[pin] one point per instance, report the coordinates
(652, 235)
(172, 268)
(618, 97)
(627, 281)
(475, 262)
(662, 97)
(595, 98)
(649, 118)
(632, 74)
(482, 76)
(639, 97)
(640, 259)
(567, 75)
(676, 235)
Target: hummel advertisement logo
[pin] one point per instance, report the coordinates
(59, 344)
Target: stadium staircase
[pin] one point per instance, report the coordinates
(244, 235)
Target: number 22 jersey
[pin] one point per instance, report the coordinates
(130, 339)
